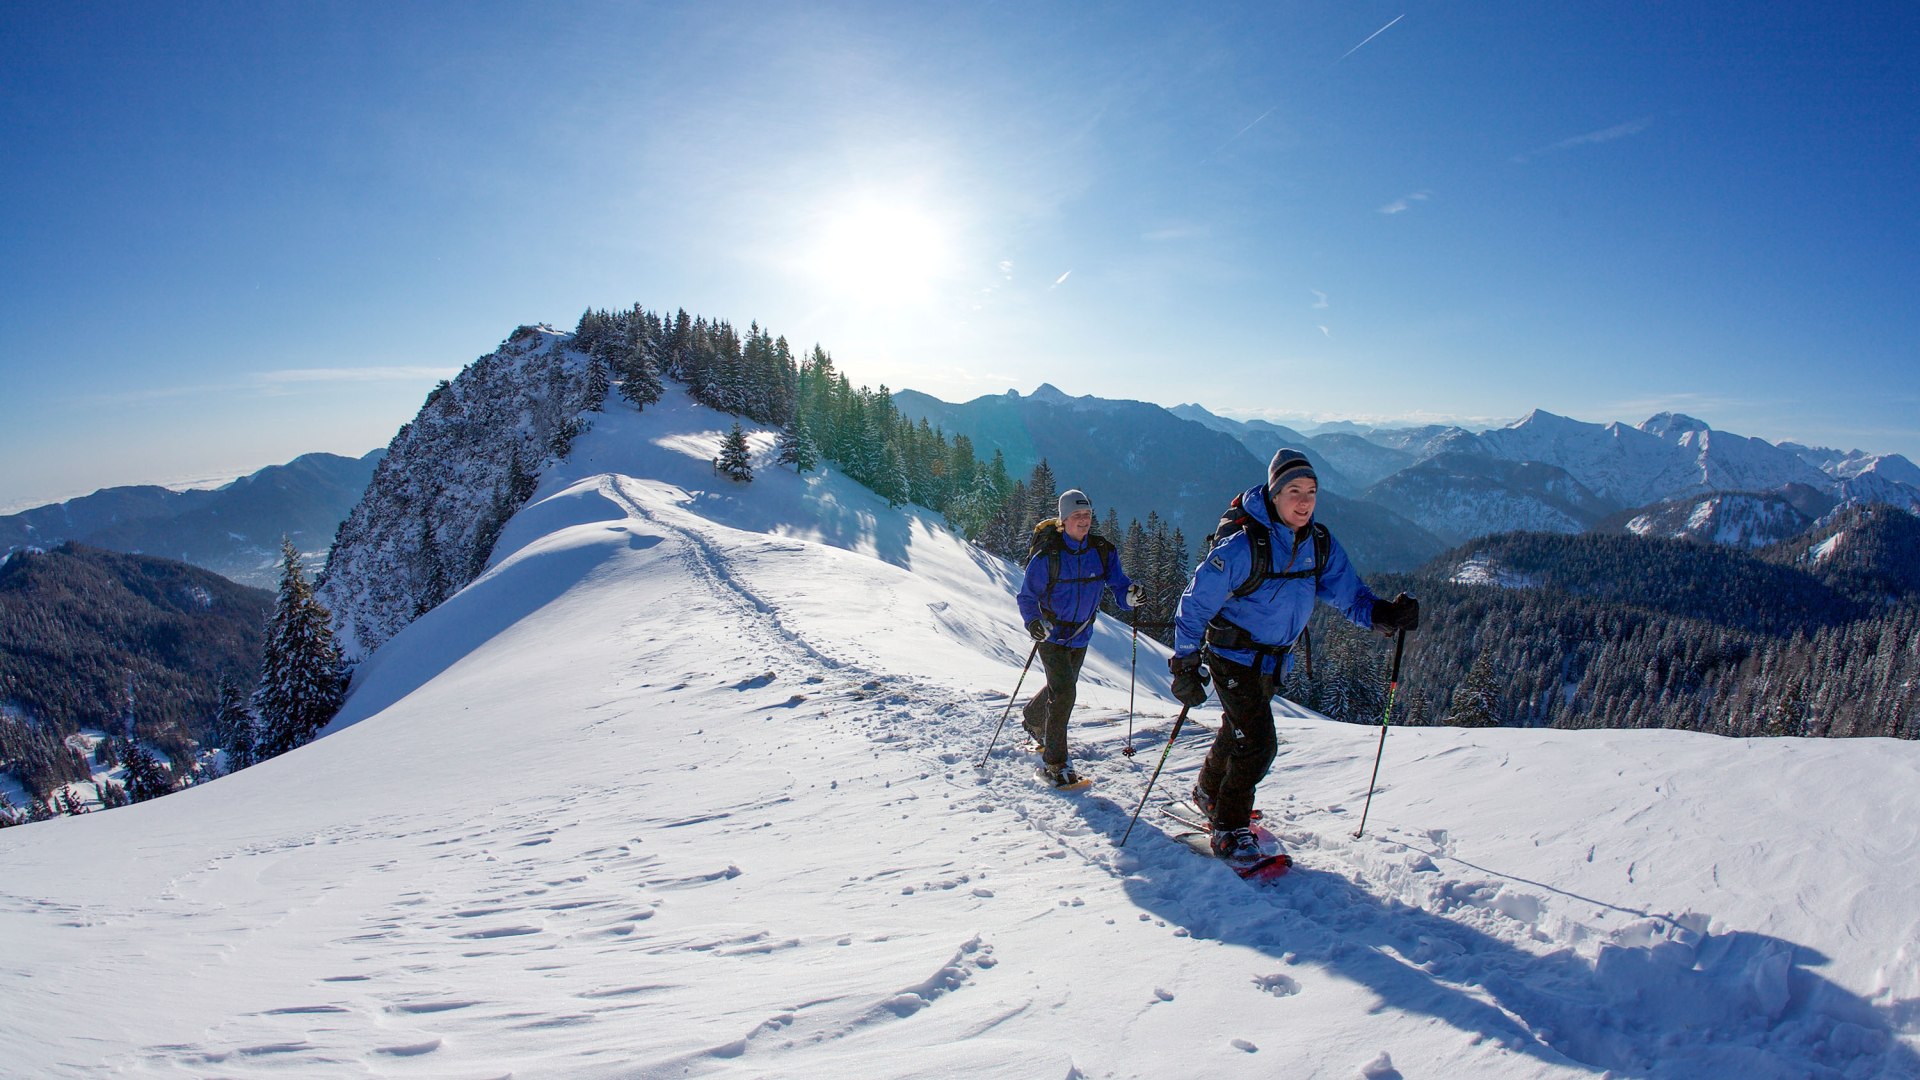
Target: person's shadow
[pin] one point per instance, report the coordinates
(1662, 997)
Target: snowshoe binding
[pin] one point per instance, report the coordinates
(1063, 778)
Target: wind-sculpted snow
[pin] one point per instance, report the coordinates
(688, 784)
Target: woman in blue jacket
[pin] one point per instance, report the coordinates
(1070, 567)
(1244, 630)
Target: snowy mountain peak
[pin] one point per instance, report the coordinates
(1541, 420)
(1670, 425)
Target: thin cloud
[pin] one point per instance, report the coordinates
(1591, 138)
(1061, 280)
(1405, 203)
(1324, 331)
(1319, 299)
(290, 376)
(269, 383)
(1236, 135)
(1371, 36)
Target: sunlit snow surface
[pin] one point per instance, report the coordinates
(686, 785)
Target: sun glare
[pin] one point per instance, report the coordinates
(879, 253)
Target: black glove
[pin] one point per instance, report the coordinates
(1189, 679)
(1400, 613)
(1038, 629)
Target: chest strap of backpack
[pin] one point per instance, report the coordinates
(1100, 548)
(1260, 548)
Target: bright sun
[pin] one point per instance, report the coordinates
(873, 252)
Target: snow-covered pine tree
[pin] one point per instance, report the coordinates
(234, 727)
(1475, 702)
(146, 777)
(797, 449)
(598, 383)
(735, 456)
(1043, 494)
(640, 381)
(300, 683)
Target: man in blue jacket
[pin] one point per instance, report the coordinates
(1069, 567)
(1242, 620)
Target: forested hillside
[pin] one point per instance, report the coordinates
(1618, 631)
(80, 628)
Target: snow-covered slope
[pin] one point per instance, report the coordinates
(1460, 496)
(685, 784)
(1731, 518)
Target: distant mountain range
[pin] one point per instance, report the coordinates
(1398, 496)
(233, 530)
(1550, 472)
(1138, 458)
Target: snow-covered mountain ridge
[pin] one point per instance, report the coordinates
(1668, 458)
(450, 479)
(684, 784)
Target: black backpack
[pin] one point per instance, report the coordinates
(1225, 634)
(1048, 539)
(1260, 543)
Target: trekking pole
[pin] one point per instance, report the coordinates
(1031, 653)
(1393, 684)
(1174, 734)
(1133, 671)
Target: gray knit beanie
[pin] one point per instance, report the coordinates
(1288, 464)
(1074, 499)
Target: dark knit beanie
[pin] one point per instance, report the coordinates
(1288, 464)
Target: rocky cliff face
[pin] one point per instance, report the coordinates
(450, 479)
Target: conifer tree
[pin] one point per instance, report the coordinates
(1475, 702)
(640, 381)
(300, 683)
(1043, 495)
(234, 728)
(735, 456)
(598, 383)
(146, 777)
(797, 449)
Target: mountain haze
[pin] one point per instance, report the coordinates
(234, 530)
(1138, 458)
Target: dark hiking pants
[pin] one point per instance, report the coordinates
(1045, 714)
(1243, 749)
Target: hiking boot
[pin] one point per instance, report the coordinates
(1060, 776)
(1202, 802)
(1237, 846)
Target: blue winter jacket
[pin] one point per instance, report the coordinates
(1277, 611)
(1075, 596)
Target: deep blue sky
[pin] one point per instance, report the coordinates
(233, 233)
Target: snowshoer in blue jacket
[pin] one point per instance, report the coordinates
(1243, 625)
(1068, 567)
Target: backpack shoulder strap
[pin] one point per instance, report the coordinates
(1107, 551)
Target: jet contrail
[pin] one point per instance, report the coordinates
(1371, 36)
